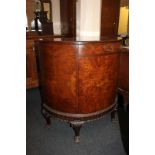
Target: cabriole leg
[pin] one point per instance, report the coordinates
(46, 115)
(114, 114)
(76, 125)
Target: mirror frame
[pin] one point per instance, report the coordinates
(50, 8)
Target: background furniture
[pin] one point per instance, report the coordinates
(46, 6)
(31, 64)
(68, 17)
(44, 14)
(110, 17)
(78, 79)
(31, 68)
(46, 25)
(123, 83)
(123, 97)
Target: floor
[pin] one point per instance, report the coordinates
(101, 137)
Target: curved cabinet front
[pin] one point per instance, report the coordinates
(78, 79)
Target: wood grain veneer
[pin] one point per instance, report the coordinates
(79, 77)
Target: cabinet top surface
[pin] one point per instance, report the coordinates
(82, 40)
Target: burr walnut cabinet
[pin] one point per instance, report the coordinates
(78, 79)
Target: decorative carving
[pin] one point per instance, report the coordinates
(46, 115)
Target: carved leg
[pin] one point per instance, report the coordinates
(76, 127)
(46, 115)
(114, 114)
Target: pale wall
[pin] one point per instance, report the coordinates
(88, 18)
(56, 16)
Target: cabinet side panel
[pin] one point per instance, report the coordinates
(124, 70)
(98, 77)
(58, 74)
(110, 17)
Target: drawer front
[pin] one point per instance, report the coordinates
(97, 49)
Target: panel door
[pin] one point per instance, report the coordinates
(68, 17)
(110, 17)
